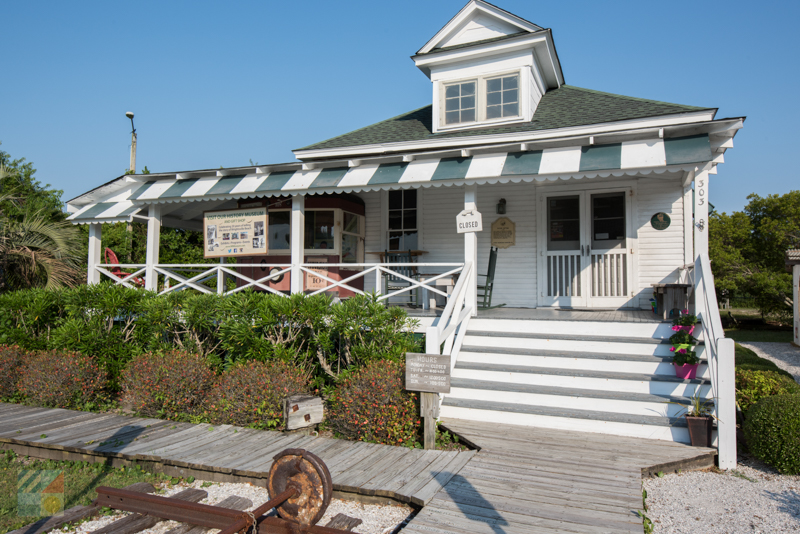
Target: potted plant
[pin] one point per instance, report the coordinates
(686, 362)
(684, 323)
(699, 418)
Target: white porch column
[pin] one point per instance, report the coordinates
(688, 242)
(95, 253)
(471, 249)
(153, 243)
(298, 228)
(701, 211)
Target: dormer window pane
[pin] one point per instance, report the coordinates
(502, 97)
(459, 103)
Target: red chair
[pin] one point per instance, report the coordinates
(111, 259)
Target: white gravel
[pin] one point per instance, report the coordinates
(752, 498)
(377, 519)
(785, 355)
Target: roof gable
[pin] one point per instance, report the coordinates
(477, 22)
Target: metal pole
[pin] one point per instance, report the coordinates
(133, 151)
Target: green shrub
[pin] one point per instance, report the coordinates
(772, 431)
(10, 363)
(752, 386)
(172, 384)
(372, 405)
(251, 394)
(58, 379)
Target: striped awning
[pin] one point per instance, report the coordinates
(627, 158)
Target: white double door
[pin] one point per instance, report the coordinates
(585, 244)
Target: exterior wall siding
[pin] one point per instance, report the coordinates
(660, 251)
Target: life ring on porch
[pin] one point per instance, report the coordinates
(272, 271)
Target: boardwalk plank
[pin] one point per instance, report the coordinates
(430, 489)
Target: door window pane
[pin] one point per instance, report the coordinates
(608, 221)
(351, 223)
(563, 223)
(350, 249)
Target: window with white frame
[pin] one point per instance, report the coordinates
(459, 103)
(352, 238)
(489, 98)
(502, 97)
(403, 231)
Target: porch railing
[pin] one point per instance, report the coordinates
(721, 361)
(175, 277)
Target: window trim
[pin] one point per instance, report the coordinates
(480, 100)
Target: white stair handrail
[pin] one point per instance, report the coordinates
(721, 361)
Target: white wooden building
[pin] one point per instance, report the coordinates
(607, 195)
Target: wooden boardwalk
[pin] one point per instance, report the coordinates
(224, 452)
(527, 480)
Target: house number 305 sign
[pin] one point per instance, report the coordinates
(469, 221)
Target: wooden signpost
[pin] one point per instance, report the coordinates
(430, 375)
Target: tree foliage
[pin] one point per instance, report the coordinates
(26, 195)
(747, 250)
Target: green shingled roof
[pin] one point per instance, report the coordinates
(559, 108)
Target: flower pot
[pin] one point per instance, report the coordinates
(699, 430)
(686, 370)
(687, 329)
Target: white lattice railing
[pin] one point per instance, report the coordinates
(721, 361)
(176, 277)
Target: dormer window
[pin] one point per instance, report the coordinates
(486, 99)
(502, 97)
(459, 102)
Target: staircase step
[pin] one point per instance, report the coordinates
(653, 420)
(574, 337)
(650, 358)
(545, 359)
(468, 383)
(571, 337)
(607, 346)
(605, 375)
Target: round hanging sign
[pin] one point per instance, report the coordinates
(660, 221)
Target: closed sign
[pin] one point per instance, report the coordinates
(469, 221)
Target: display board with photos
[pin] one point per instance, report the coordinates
(230, 233)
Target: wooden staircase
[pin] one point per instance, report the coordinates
(607, 377)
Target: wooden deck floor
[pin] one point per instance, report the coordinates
(223, 452)
(527, 480)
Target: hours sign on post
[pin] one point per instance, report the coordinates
(469, 221)
(428, 373)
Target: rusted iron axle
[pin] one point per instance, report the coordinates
(299, 486)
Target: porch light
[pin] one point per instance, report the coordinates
(501, 207)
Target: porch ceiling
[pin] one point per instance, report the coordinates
(632, 158)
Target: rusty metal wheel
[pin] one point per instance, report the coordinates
(308, 474)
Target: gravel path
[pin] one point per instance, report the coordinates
(377, 519)
(785, 355)
(753, 498)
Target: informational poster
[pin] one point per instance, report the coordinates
(233, 233)
(316, 282)
(504, 233)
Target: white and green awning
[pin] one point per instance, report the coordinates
(627, 158)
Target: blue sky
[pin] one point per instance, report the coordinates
(222, 83)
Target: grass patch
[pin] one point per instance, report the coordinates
(746, 335)
(80, 481)
(747, 359)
